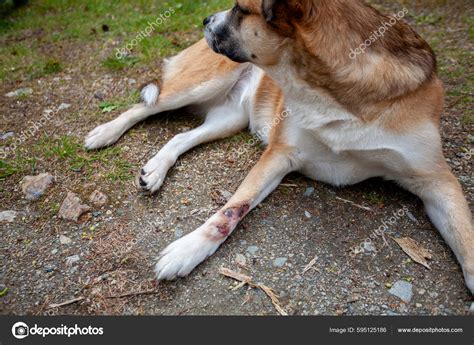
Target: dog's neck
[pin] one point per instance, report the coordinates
(319, 59)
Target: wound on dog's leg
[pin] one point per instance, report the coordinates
(227, 220)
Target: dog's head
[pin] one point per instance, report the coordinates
(257, 31)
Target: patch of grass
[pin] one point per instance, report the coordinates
(69, 151)
(375, 198)
(68, 21)
(52, 66)
(470, 21)
(468, 119)
(6, 170)
(111, 105)
(429, 19)
(114, 64)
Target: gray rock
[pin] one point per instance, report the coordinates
(252, 250)
(64, 240)
(309, 191)
(99, 95)
(8, 216)
(308, 215)
(402, 290)
(49, 269)
(64, 106)
(132, 81)
(471, 310)
(280, 262)
(241, 259)
(98, 198)
(72, 208)
(25, 91)
(54, 251)
(34, 187)
(178, 233)
(369, 247)
(71, 260)
(7, 135)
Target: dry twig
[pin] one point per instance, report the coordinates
(246, 280)
(356, 205)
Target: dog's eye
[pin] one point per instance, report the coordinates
(241, 10)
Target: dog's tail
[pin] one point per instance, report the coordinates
(150, 94)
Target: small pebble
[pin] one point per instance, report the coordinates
(25, 91)
(33, 187)
(98, 198)
(54, 251)
(307, 214)
(241, 259)
(280, 262)
(403, 290)
(64, 240)
(309, 191)
(252, 250)
(178, 233)
(49, 269)
(7, 135)
(64, 106)
(72, 208)
(72, 259)
(8, 216)
(369, 247)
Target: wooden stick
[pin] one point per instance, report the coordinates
(71, 301)
(137, 293)
(356, 205)
(243, 279)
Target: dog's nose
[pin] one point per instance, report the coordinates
(207, 20)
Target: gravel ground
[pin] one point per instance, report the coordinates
(103, 264)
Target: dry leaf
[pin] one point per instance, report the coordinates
(414, 250)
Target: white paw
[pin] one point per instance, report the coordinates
(104, 135)
(183, 255)
(153, 174)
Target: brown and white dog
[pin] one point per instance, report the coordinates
(347, 119)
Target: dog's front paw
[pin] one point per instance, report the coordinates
(153, 174)
(183, 255)
(104, 135)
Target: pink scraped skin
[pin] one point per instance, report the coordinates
(229, 219)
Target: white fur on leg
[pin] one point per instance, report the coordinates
(470, 284)
(183, 255)
(150, 94)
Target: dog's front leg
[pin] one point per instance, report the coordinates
(183, 255)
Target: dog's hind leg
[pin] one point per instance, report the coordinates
(195, 76)
(221, 122)
(449, 211)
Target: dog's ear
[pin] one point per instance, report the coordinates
(268, 9)
(281, 12)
